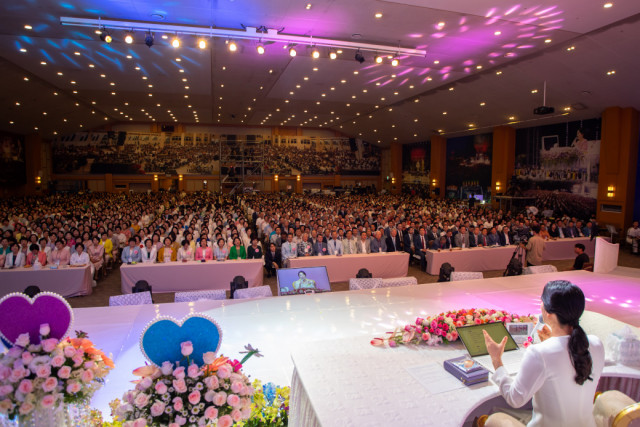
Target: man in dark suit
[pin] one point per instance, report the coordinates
(449, 239)
(272, 260)
(433, 234)
(393, 242)
(570, 231)
(505, 237)
(420, 244)
(320, 247)
(492, 237)
(407, 242)
(473, 237)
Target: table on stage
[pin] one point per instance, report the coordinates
(192, 275)
(497, 258)
(64, 280)
(342, 268)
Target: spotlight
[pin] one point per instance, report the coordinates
(202, 44)
(394, 61)
(292, 52)
(378, 59)
(315, 53)
(333, 54)
(148, 39)
(260, 49)
(359, 57)
(105, 36)
(128, 39)
(175, 42)
(233, 46)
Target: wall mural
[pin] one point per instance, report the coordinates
(12, 162)
(416, 163)
(559, 165)
(469, 166)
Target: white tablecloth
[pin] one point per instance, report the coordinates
(66, 281)
(342, 268)
(606, 257)
(191, 276)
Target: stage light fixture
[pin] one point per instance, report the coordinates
(260, 49)
(105, 36)
(233, 46)
(359, 57)
(333, 54)
(292, 52)
(175, 42)
(315, 53)
(394, 61)
(128, 38)
(378, 59)
(202, 44)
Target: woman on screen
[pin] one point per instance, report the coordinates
(561, 373)
(303, 282)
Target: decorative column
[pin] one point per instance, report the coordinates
(396, 168)
(503, 159)
(438, 165)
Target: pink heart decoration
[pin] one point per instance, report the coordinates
(20, 314)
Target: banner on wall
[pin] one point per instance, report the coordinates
(469, 166)
(559, 165)
(416, 163)
(12, 161)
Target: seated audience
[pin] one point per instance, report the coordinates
(15, 258)
(167, 253)
(185, 253)
(36, 257)
(220, 251)
(130, 253)
(255, 251)
(204, 252)
(272, 260)
(238, 251)
(149, 252)
(60, 255)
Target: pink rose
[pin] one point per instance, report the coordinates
(426, 336)
(449, 337)
(233, 400)
(77, 359)
(211, 413)
(526, 344)
(209, 357)
(27, 357)
(50, 384)
(45, 330)
(181, 420)
(144, 384)
(160, 387)
(454, 335)
(224, 371)
(193, 371)
(177, 404)
(212, 382)
(157, 408)
(477, 321)
(180, 386)
(186, 348)
(48, 401)
(25, 386)
(141, 400)
(392, 343)
(27, 407)
(69, 351)
(194, 397)
(208, 396)
(57, 361)
(73, 387)
(5, 371)
(179, 372)
(140, 422)
(225, 421)
(236, 415)
(237, 387)
(23, 340)
(220, 398)
(64, 372)
(419, 321)
(5, 389)
(89, 364)
(49, 345)
(167, 368)
(87, 376)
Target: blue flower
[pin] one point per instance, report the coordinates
(269, 390)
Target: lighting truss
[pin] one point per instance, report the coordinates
(249, 33)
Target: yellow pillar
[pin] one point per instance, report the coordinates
(155, 183)
(504, 158)
(438, 164)
(337, 180)
(108, 182)
(617, 175)
(396, 167)
(299, 184)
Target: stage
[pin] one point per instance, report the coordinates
(279, 326)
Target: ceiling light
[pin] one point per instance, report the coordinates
(28, 27)
(534, 91)
(611, 72)
(547, 41)
(497, 33)
(292, 52)
(128, 39)
(315, 53)
(175, 42)
(23, 50)
(482, 104)
(359, 57)
(148, 39)
(378, 15)
(444, 113)
(498, 73)
(512, 118)
(308, 6)
(202, 44)
(233, 46)
(260, 49)
(440, 25)
(436, 62)
(105, 36)
(606, 5)
(378, 59)
(43, 63)
(333, 54)
(395, 62)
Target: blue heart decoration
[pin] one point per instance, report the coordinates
(161, 339)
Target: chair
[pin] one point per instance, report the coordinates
(238, 282)
(398, 281)
(257, 292)
(465, 275)
(612, 231)
(130, 299)
(616, 409)
(364, 283)
(212, 294)
(538, 269)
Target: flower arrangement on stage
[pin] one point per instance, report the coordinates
(441, 328)
(47, 374)
(270, 407)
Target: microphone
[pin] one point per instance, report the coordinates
(538, 326)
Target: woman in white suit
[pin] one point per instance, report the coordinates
(15, 258)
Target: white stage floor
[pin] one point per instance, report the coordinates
(278, 325)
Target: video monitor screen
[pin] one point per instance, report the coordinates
(293, 281)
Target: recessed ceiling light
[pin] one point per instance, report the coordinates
(571, 48)
(534, 91)
(479, 67)
(175, 42)
(315, 68)
(611, 72)
(28, 27)
(567, 108)
(308, 6)
(356, 72)
(497, 33)
(202, 44)
(498, 72)
(378, 15)
(606, 5)
(482, 104)
(451, 88)
(129, 57)
(436, 62)
(444, 113)
(43, 63)
(512, 118)
(23, 50)
(547, 41)
(440, 25)
(76, 53)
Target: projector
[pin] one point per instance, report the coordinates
(541, 111)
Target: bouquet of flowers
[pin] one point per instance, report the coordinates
(441, 328)
(216, 393)
(270, 407)
(44, 375)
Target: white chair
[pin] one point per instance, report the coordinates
(465, 275)
(398, 281)
(538, 269)
(211, 294)
(257, 292)
(365, 283)
(130, 299)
